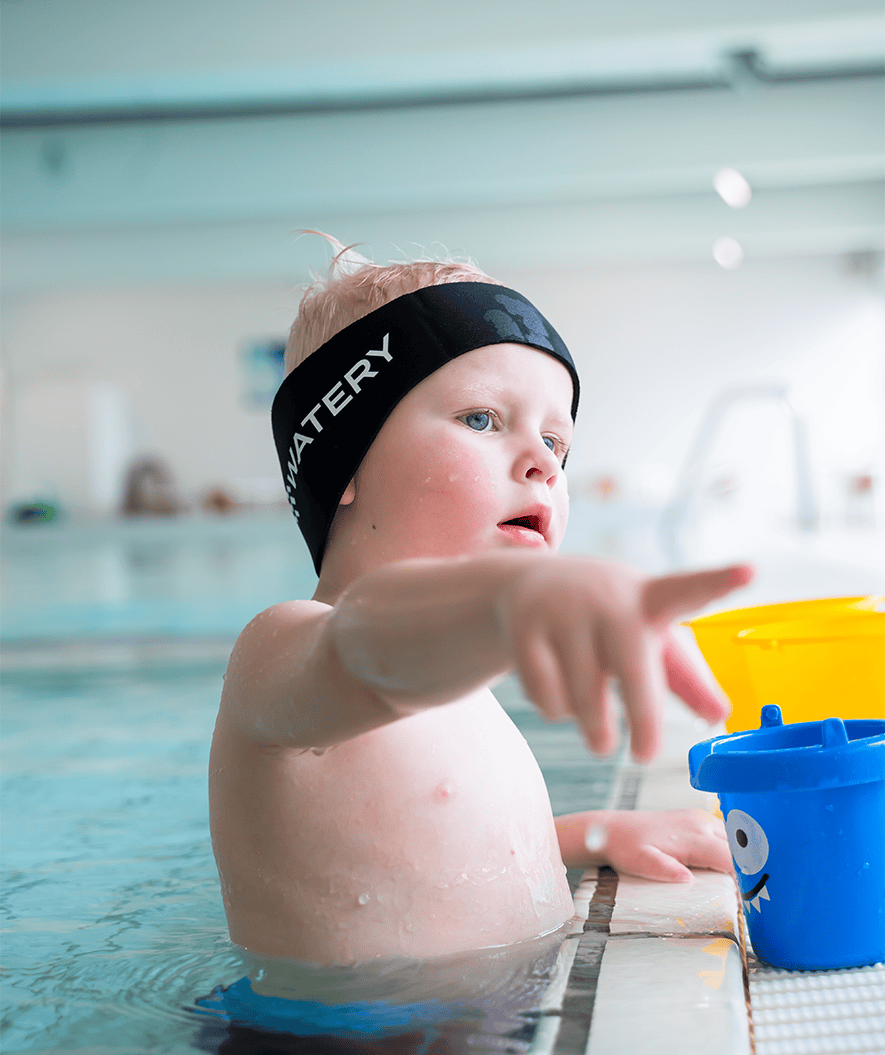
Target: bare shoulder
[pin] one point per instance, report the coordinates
(274, 643)
(275, 636)
(288, 615)
(285, 682)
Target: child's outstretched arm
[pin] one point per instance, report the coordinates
(422, 633)
(408, 636)
(653, 844)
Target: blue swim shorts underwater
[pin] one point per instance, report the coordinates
(240, 1005)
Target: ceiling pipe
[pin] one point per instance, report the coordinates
(741, 70)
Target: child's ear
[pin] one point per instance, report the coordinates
(349, 494)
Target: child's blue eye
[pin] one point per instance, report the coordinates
(558, 447)
(479, 420)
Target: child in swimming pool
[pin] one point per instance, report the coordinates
(369, 797)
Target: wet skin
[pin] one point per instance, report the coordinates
(431, 834)
(368, 796)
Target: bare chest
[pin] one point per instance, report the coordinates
(422, 831)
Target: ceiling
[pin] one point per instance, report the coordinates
(592, 125)
(99, 59)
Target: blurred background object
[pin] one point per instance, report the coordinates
(149, 489)
(218, 500)
(35, 512)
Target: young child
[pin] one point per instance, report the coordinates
(369, 797)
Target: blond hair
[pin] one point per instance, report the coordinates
(353, 286)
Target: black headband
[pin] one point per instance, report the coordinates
(331, 407)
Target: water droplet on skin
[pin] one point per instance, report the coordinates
(596, 838)
(363, 899)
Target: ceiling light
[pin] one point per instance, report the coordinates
(727, 253)
(732, 188)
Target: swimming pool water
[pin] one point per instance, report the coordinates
(113, 921)
(112, 916)
(191, 575)
(194, 575)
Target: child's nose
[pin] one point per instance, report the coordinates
(540, 463)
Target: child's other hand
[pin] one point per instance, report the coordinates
(573, 624)
(658, 844)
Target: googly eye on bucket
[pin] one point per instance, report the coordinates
(804, 809)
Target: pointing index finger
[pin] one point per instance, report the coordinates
(670, 596)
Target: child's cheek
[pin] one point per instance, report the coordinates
(468, 476)
(461, 486)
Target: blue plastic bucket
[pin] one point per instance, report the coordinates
(804, 808)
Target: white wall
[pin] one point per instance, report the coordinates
(173, 353)
(658, 343)
(654, 345)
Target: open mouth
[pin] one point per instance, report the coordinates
(530, 529)
(533, 523)
(758, 891)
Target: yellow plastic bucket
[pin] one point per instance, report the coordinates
(729, 656)
(819, 668)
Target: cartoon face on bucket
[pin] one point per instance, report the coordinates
(749, 849)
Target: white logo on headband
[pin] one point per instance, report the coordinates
(333, 402)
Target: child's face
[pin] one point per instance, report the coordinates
(475, 446)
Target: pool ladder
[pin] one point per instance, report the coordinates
(688, 480)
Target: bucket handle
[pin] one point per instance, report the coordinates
(834, 733)
(771, 717)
